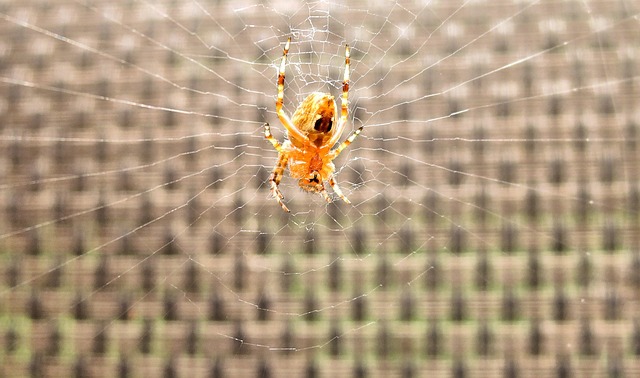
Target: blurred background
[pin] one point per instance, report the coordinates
(494, 229)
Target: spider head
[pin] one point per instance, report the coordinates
(312, 182)
(316, 117)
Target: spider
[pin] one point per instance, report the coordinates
(311, 135)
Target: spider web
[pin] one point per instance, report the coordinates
(497, 136)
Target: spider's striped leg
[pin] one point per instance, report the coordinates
(284, 119)
(344, 111)
(283, 64)
(336, 189)
(325, 195)
(274, 180)
(345, 87)
(271, 138)
(346, 143)
(278, 170)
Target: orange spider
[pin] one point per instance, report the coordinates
(311, 136)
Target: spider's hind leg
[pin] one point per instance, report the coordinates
(337, 190)
(325, 195)
(274, 180)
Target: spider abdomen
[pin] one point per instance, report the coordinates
(314, 117)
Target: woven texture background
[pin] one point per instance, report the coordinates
(130, 250)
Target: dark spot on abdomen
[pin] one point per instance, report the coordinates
(323, 124)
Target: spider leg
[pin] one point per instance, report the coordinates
(284, 118)
(345, 99)
(278, 170)
(346, 143)
(337, 190)
(271, 138)
(325, 195)
(275, 177)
